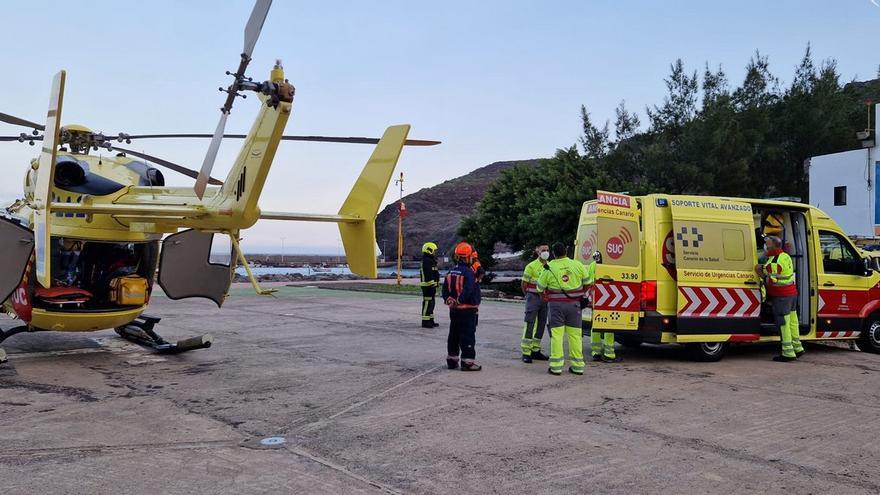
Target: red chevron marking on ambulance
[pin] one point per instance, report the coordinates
(719, 302)
(620, 296)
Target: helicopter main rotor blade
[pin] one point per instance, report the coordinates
(11, 119)
(17, 138)
(251, 33)
(356, 140)
(321, 139)
(165, 163)
(255, 25)
(208, 163)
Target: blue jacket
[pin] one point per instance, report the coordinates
(460, 288)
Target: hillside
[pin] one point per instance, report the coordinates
(435, 212)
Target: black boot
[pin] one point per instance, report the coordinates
(784, 359)
(452, 363)
(526, 358)
(539, 356)
(471, 366)
(427, 324)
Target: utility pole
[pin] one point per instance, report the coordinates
(401, 212)
(282, 249)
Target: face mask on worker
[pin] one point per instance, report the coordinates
(544, 255)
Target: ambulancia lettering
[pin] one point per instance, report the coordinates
(613, 199)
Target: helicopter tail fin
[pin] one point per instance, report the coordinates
(241, 190)
(364, 200)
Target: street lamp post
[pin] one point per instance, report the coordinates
(282, 249)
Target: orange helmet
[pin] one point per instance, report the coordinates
(463, 251)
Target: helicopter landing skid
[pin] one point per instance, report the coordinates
(140, 331)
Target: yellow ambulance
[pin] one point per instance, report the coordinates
(680, 269)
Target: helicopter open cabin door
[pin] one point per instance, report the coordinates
(186, 270)
(617, 293)
(16, 244)
(715, 255)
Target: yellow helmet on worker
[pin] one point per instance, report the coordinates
(429, 248)
(773, 224)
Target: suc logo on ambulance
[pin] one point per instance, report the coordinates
(615, 245)
(614, 248)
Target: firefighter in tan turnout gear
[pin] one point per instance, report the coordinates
(536, 308)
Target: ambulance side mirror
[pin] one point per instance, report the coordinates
(868, 269)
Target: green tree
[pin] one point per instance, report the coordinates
(680, 103)
(595, 140)
(705, 138)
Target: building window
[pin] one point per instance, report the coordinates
(840, 196)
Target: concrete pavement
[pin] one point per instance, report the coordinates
(361, 394)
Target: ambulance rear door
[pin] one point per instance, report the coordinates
(715, 254)
(586, 241)
(616, 294)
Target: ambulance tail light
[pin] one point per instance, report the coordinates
(649, 295)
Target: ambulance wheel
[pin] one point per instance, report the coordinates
(707, 352)
(869, 340)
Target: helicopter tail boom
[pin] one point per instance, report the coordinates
(357, 216)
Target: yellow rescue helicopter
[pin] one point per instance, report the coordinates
(84, 246)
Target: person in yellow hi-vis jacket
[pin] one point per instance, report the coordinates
(779, 278)
(601, 343)
(536, 308)
(563, 283)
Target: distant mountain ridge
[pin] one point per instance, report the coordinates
(434, 213)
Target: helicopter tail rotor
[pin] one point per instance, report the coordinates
(241, 82)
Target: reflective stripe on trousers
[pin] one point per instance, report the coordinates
(575, 348)
(602, 343)
(535, 321)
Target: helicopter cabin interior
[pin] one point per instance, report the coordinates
(97, 276)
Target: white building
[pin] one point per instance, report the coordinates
(844, 185)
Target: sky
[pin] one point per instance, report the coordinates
(494, 80)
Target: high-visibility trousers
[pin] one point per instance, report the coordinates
(428, 294)
(602, 344)
(534, 322)
(786, 318)
(565, 321)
